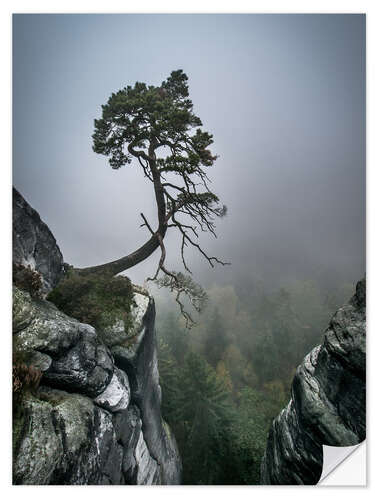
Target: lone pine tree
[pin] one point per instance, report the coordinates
(156, 127)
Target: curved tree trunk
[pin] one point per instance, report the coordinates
(128, 261)
(143, 252)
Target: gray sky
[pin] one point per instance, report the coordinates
(283, 95)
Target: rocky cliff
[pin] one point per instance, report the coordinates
(95, 417)
(328, 403)
(34, 245)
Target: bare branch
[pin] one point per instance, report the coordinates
(147, 224)
(138, 153)
(210, 260)
(168, 184)
(183, 244)
(145, 168)
(183, 285)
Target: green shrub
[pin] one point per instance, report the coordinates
(96, 299)
(28, 280)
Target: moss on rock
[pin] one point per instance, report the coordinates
(100, 300)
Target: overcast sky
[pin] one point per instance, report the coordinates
(283, 95)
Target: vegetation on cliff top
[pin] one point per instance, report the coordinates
(97, 299)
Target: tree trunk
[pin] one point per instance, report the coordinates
(143, 252)
(128, 261)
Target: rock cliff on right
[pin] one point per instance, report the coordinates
(328, 401)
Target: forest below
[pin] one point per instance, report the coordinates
(224, 380)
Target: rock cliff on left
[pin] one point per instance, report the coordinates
(95, 416)
(34, 245)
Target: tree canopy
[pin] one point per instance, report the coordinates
(156, 126)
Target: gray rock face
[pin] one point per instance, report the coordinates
(67, 439)
(56, 449)
(136, 354)
(33, 243)
(96, 418)
(116, 395)
(79, 362)
(328, 404)
(90, 434)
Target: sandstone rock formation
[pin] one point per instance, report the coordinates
(33, 243)
(95, 418)
(328, 404)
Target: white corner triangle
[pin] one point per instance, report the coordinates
(344, 465)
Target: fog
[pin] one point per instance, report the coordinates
(283, 96)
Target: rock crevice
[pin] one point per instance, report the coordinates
(328, 403)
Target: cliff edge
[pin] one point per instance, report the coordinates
(95, 416)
